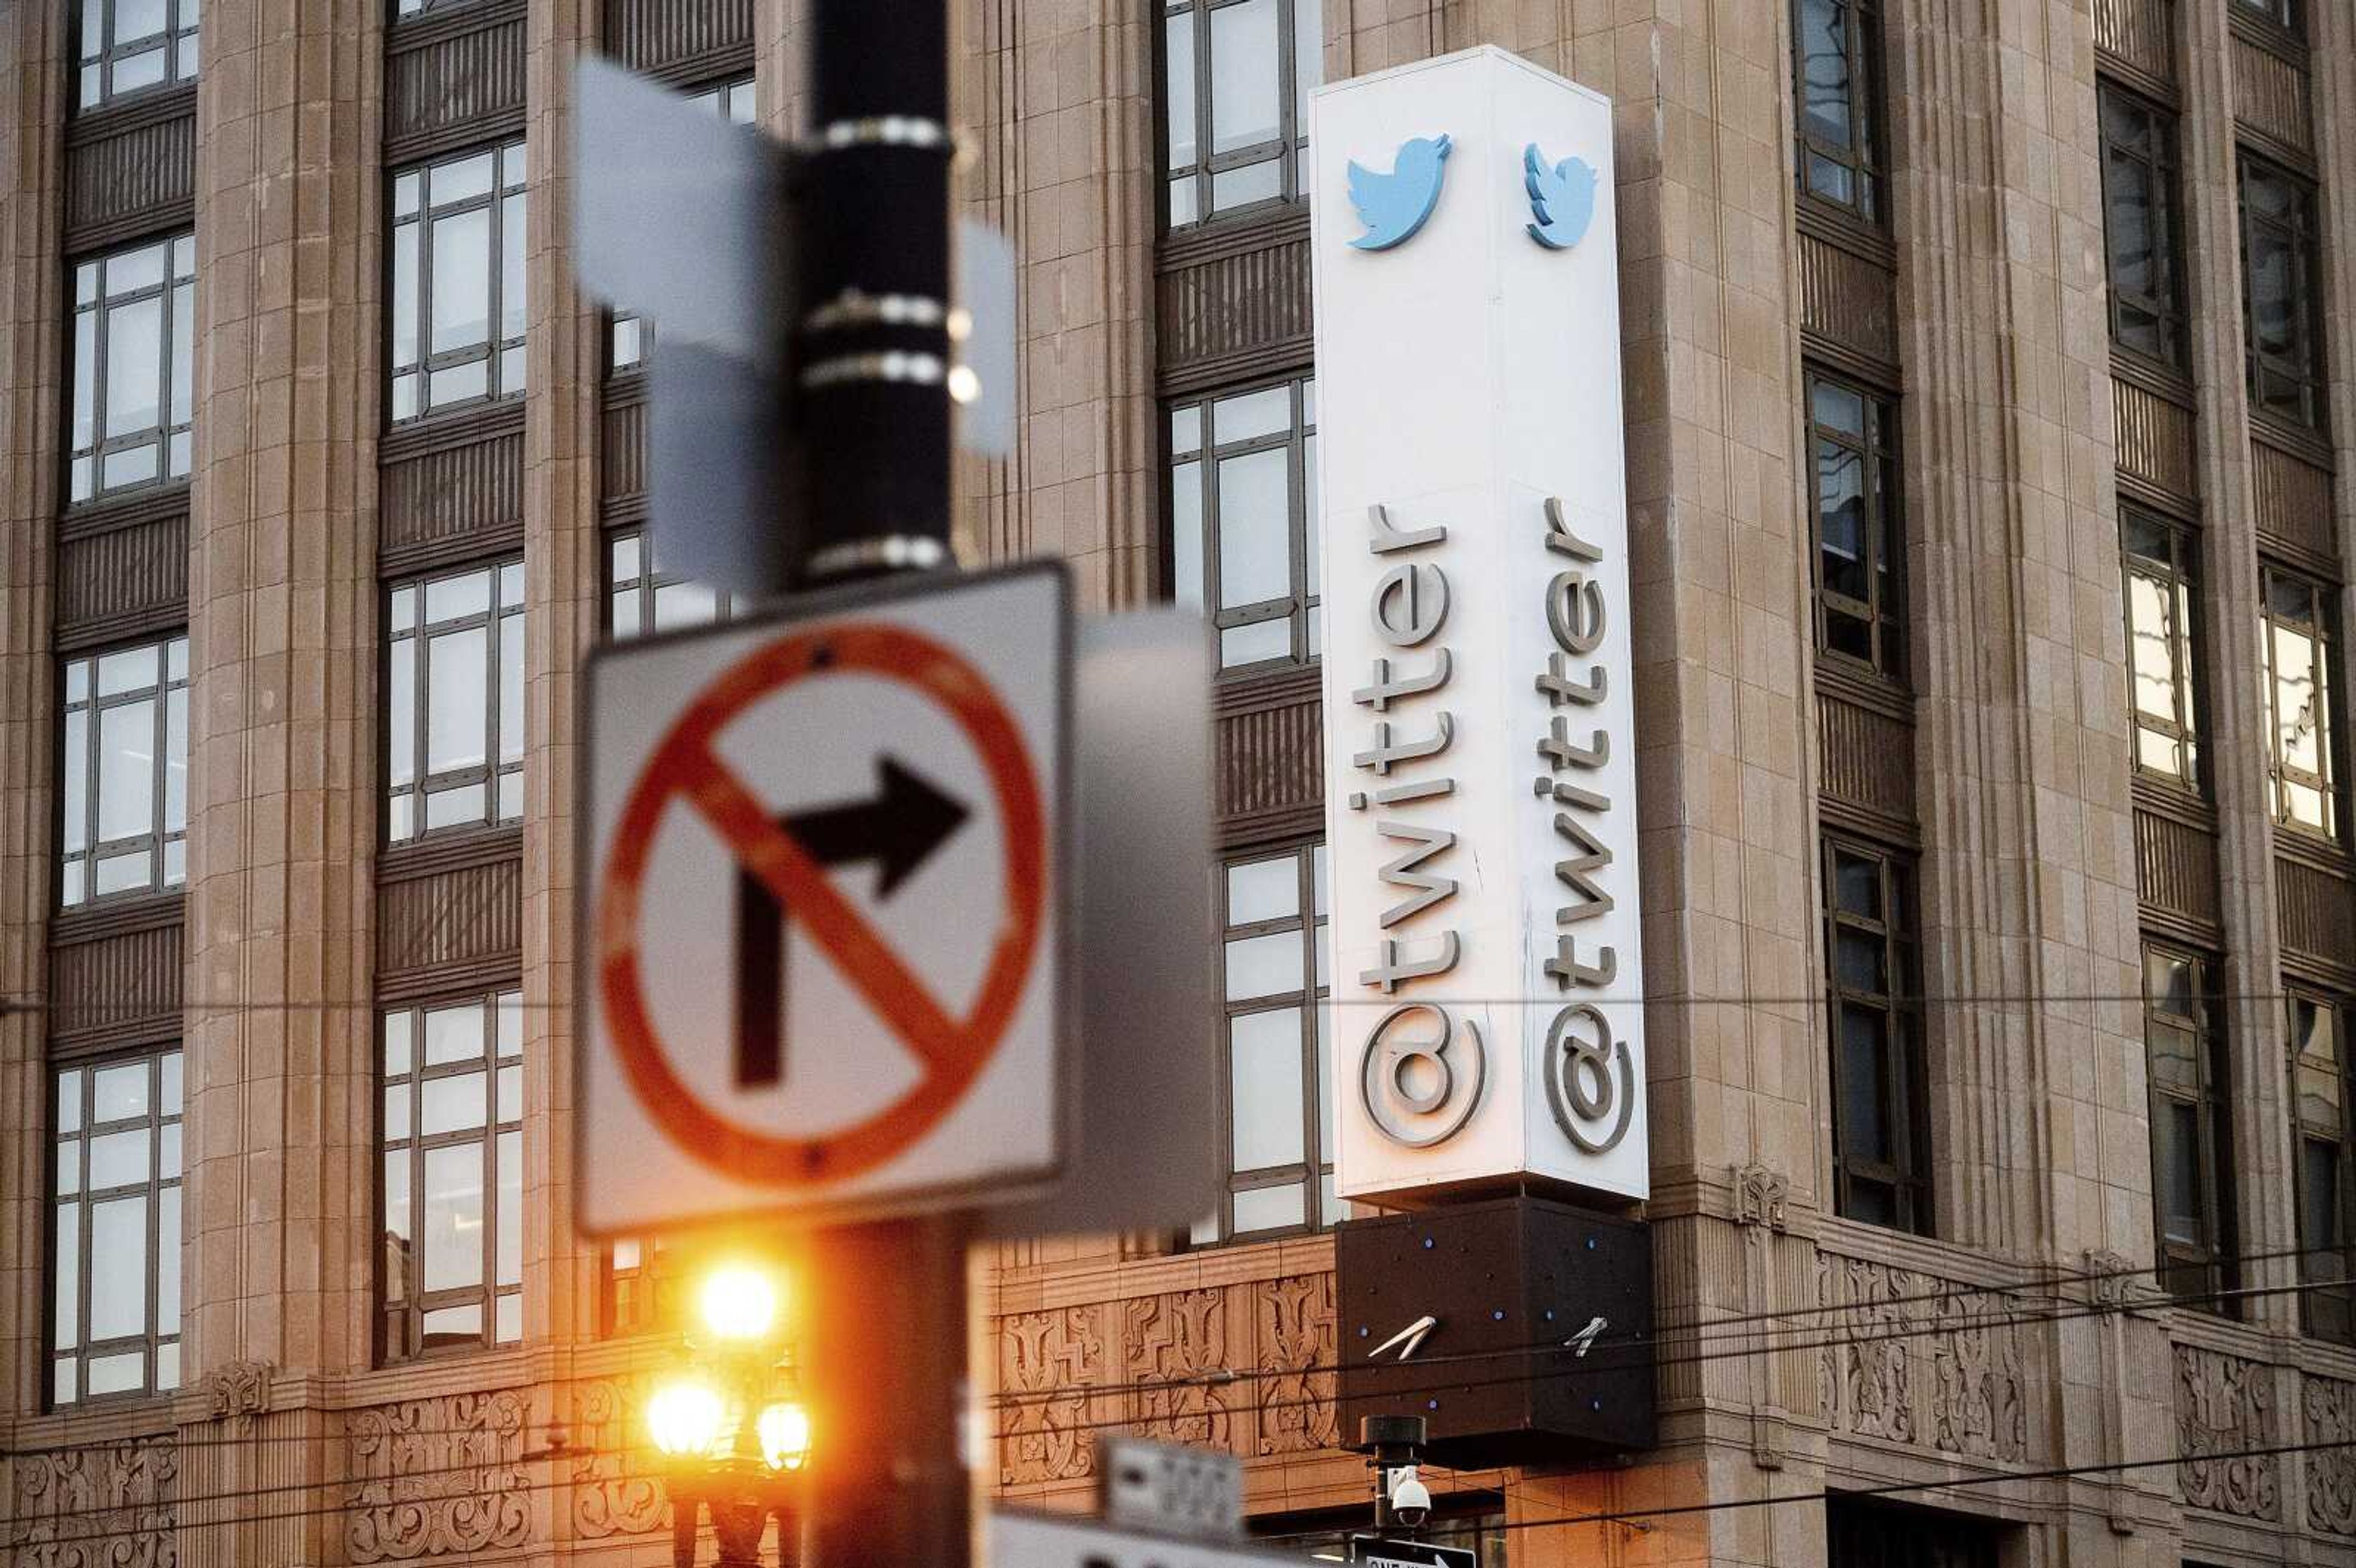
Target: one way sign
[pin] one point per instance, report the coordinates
(824, 882)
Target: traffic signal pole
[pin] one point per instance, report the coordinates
(884, 1303)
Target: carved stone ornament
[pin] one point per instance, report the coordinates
(441, 1476)
(1046, 1363)
(2331, 1409)
(2112, 1278)
(108, 1506)
(1761, 1196)
(1888, 1372)
(2224, 1404)
(238, 1389)
(1174, 1354)
(1292, 1326)
(616, 1490)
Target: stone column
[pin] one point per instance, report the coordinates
(283, 798)
(32, 107)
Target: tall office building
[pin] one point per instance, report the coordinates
(1987, 377)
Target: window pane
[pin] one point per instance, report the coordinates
(511, 688)
(75, 786)
(512, 233)
(126, 771)
(117, 1093)
(1254, 517)
(1252, 644)
(1178, 100)
(1269, 1208)
(1263, 889)
(65, 1291)
(1246, 105)
(168, 1261)
(1265, 966)
(116, 1375)
(453, 1034)
(461, 180)
(184, 352)
(404, 294)
(452, 1246)
(402, 713)
(118, 1267)
(1864, 1110)
(511, 1210)
(462, 280)
(1252, 416)
(1824, 88)
(1265, 1088)
(134, 367)
(457, 676)
(1187, 533)
(2176, 1151)
(137, 19)
(451, 1105)
(120, 1159)
(176, 761)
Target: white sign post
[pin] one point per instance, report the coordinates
(823, 865)
(1481, 810)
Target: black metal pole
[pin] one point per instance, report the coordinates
(885, 1303)
(872, 355)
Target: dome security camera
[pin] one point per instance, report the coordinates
(1410, 1499)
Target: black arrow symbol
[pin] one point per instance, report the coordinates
(899, 827)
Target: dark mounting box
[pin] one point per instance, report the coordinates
(1510, 1280)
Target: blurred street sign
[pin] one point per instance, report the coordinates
(1015, 1539)
(1167, 1486)
(1148, 1051)
(823, 886)
(1377, 1552)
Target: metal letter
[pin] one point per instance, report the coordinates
(1570, 794)
(1561, 753)
(1386, 976)
(1382, 1065)
(1403, 589)
(1561, 539)
(1573, 873)
(1385, 754)
(1568, 971)
(1388, 539)
(1557, 687)
(1379, 694)
(1402, 872)
(1575, 611)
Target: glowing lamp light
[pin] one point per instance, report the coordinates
(685, 1417)
(785, 1433)
(739, 1303)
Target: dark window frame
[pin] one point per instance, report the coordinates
(2301, 367)
(643, 578)
(1302, 606)
(2176, 580)
(2328, 1310)
(1865, 163)
(1288, 149)
(171, 654)
(1309, 920)
(724, 97)
(161, 1120)
(1873, 1532)
(90, 448)
(2156, 157)
(410, 216)
(2284, 778)
(1894, 926)
(407, 632)
(1878, 449)
(94, 67)
(2283, 16)
(2185, 1024)
(398, 1312)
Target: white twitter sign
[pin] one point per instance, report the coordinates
(1480, 753)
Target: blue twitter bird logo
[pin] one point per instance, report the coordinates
(1562, 198)
(1393, 205)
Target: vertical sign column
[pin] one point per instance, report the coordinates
(1481, 807)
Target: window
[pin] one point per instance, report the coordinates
(1868, 1533)
(1836, 69)
(640, 599)
(2139, 226)
(2296, 634)
(2283, 323)
(642, 1286)
(452, 1194)
(2161, 561)
(455, 719)
(1861, 542)
(1244, 525)
(122, 769)
(631, 338)
(2191, 1132)
(2323, 1172)
(2283, 14)
(1880, 1109)
(128, 46)
(115, 1260)
(458, 282)
(134, 383)
(1235, 102)
(1280, 1123)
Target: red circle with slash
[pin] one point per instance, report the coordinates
(687, 767)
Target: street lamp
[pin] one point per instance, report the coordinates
(730, 1425)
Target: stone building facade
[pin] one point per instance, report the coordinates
(1986, 375)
